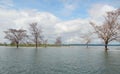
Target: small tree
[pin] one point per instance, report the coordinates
(15, 35)
(36, 33)
(45, 42)
(87, 38)
(58, 41)
(110, 29)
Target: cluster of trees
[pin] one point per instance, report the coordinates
(108, 31)
(21, 36)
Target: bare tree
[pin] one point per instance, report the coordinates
(87, 38)
(36, 33)
(15, 35)
(110, 29)
(45, 42)
(58, 41)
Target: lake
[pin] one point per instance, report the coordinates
(60, 60)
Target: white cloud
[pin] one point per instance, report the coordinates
(74, 39)
(22, 18)
(69, 6)
(70, 30)
(72, 26)
(98, 11)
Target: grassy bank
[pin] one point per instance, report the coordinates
(31, 45)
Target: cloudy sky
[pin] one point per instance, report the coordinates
(66, 18)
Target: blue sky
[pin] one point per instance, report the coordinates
(75, 9)
(66, 18)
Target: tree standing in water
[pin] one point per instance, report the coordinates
(36, 33)
(15, 35)
(58, 41)
(87, 38)
(110, 29)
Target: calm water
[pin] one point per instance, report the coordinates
(61, 60)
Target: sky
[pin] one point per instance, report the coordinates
(66, 18)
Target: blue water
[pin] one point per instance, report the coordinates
(60, 60)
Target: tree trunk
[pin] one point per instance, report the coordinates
(36, 44)
(87, 45)
(17, 44)
(106, 45)
(45, 45)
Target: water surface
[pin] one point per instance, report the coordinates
(59, 60)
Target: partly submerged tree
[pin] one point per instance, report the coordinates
(87, 38)
(110, 29)
(15, 35)
(45, 42)
(36, 33)
(58, 41)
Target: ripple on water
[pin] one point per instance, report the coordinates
(71, 60)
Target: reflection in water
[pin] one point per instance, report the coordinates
(63, 60)
(111, 64)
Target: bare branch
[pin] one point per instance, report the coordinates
(15, 36)
(110, 29)
(36, 33)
